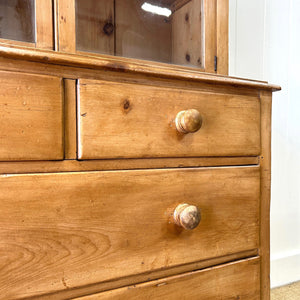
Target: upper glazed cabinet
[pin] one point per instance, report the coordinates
(27, 23)
(190, 33)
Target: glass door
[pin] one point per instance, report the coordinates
(17, 20)
(27, 22)
(169, 31)
(190, 33)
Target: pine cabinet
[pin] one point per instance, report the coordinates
(131, 165)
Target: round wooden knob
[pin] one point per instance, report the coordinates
(187, 216)
(188, 121)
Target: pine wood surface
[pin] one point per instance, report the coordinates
(44, 24)
(128, 66)
(5, 42)
(237, 280)
(123, 121)
(67, 230)
(31, 117)
(91, 19)
(79, 291)
(70, 120)
(265, 194)
(74, 73)
(222, 36)
(187, 32)
(65, 25)
(210, 50)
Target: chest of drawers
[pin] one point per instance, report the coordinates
(95, 167)
(129, 178)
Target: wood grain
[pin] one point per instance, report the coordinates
(237, 280)
(210, 35)
(95, 26)
(265, 194)
(144, 277)
(126, 66)
(31, 117)
(6, 42)
(136, 121)
(187, 33)
(222, 36)
(66, 28)
(70, 119)
(44, 24)
(126, 77)
(73, 229)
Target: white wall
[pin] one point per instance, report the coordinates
(265, 44)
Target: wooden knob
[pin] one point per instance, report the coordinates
(187, 216)
(188, 121)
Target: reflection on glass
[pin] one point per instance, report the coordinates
(160, 30)
(17, 20)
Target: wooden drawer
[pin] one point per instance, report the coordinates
(134, 121)
(72, 229)
(238, 280)
(31, 117)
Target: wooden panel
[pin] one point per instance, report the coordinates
(265, 194)
(140, 34)
(210, 35)
(70, 119)
(71, 293)
(44, 24)
(31, 117)
(187, 42)
(95, 22)
(118, 164)
(124, 120)
(238, 280)
(74, 229)
(65, 31)
(176, 4)
(222, 36)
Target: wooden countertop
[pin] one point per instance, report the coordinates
(128, 65)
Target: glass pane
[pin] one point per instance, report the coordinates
(17, 20)
(160, 30)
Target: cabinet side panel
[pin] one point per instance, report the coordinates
(265, 162)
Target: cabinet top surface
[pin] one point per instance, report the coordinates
(128, 65)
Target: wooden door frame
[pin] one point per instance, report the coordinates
(216, 14)
(215, 37)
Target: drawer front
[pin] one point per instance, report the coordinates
(134, 121)
(72, 229)
(238, 280)
(31, 117)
